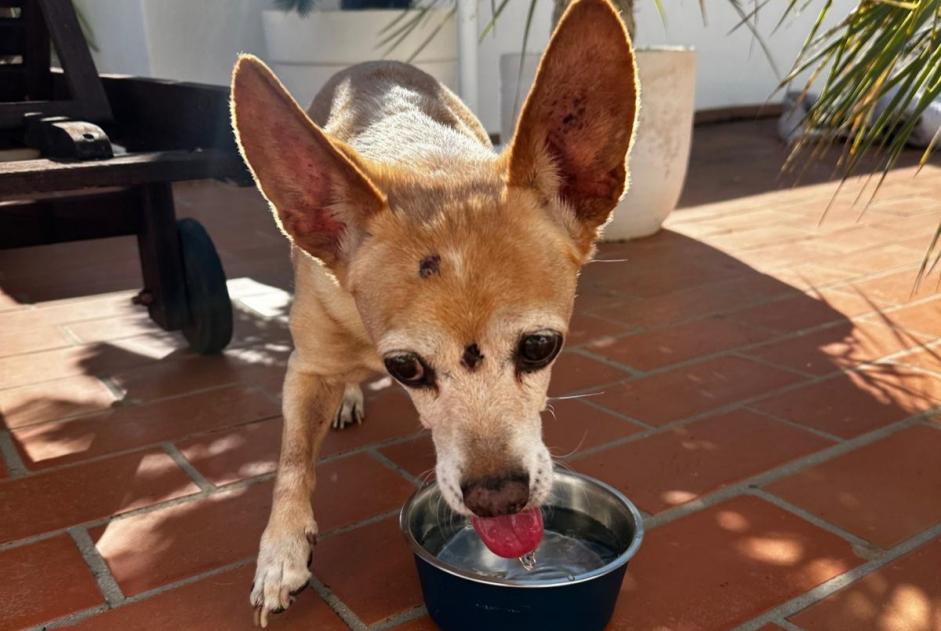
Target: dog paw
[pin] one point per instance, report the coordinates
(282, 571)
(352, 409)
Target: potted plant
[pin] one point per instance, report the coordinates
(660, 153)
(310, 40)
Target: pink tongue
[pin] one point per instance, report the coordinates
(510, 536)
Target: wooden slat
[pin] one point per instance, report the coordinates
(161, 261)
(28, 177)
(155, 114)
(73, 218)
(36, 53)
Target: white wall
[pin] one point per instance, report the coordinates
(186, 40)
(199, 41)
(731, 68)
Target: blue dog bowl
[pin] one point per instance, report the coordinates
(459, 598)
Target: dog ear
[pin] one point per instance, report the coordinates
(576, 126)
(319, 196)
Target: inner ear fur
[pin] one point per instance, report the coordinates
(317, 191)
(578, 120)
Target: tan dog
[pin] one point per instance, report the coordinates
(419, 250)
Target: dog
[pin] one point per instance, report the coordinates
(421, 252)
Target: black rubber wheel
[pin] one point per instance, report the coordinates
(208, 326)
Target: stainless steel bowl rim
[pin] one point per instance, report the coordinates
(609, 567)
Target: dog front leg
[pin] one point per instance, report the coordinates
(309, 405)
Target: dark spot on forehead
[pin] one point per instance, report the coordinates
(429, 265)
(472, 357)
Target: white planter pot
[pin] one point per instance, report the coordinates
(660, 154)
(306, 52)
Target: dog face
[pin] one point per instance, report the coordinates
(465, 281)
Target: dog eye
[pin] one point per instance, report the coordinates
(536, 350)
(409, 370)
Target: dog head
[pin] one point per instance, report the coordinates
(465, 281)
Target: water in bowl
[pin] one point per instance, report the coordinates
(573, 544)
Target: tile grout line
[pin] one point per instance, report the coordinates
(338, 606)
(837, 583)
(607, 361)
(863, 549)
(204, 485)
(619, 415)
(78, 616)
(122, 401)
(787, 469)
(10, 457)
(391, 465)
(197, 496)
(99, 568)
(136, 449)
(786, 624)
(399, 618)
(777, 337)
(780, 419)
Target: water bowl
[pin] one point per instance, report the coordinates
(591, 532)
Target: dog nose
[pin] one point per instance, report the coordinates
(496, 495)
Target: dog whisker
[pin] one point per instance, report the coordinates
(576, 396)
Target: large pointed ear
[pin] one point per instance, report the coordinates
(319, 195)
(576, 126)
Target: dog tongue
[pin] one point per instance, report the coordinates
(510, 536)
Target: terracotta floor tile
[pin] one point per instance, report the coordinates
(422, 624)
(371, 569)
(210, 604)
(416, 456)
(575, 426)
(389, 414)
(683, 342)
(573, 372)
(856, 403)
(377, 489)
(803, 312)
(21, 370)
(175, 376)
(236, 453)
(737, 559)
(683, 392)
(896, 288)
(15, 340)
(113, 328)
(152, 549)
(878, 259)
(592, 331)
(675, 467)
(838, 347)
(922, 318)
(55, 312)
(53, 400)
(62, 498)
(137, 426)
(884, 492)
(696, 302)
(43, 581)
(925, 358)
(904, 595)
